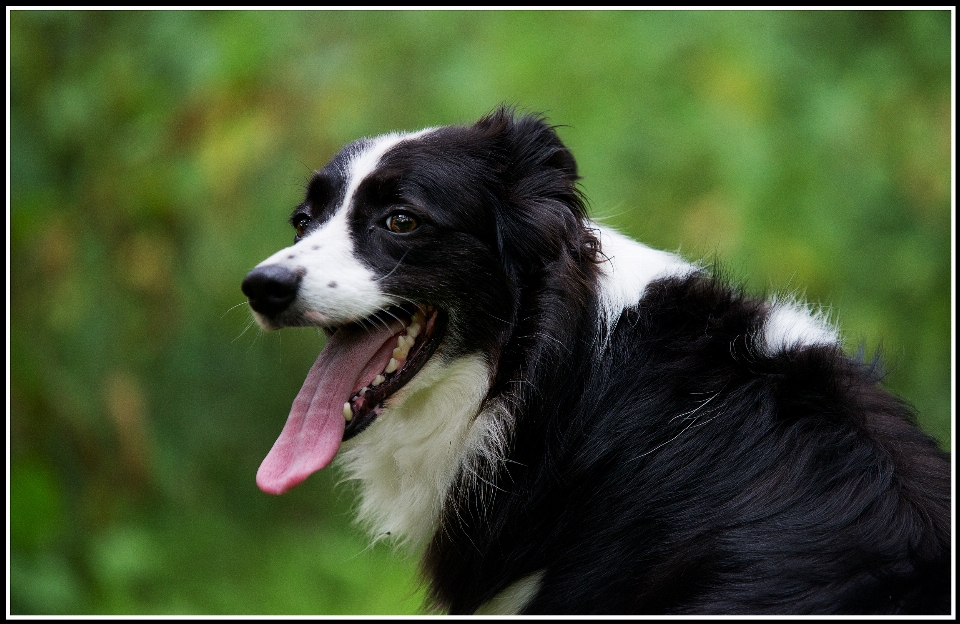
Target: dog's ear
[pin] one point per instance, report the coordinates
(540, 219)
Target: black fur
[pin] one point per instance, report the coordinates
(681, 469)
(669, 465)
(685, 472)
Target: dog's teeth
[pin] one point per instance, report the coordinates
(413, 330)
(363, 390)
(403, 348)
(379, 379)
(347, 411)
(392, 366)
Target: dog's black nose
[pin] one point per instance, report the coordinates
(271, 288)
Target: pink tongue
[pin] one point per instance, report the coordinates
(315, 426)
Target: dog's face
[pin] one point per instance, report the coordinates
(408, 248)
(389, 224)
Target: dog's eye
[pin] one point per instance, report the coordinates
(401, 223)
(300, 225)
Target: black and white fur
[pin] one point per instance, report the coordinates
(606, 428)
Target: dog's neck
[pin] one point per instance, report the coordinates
(450, 429)
(424, 437)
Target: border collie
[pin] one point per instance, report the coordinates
(566, 421)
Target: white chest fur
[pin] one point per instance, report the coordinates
(407, 461)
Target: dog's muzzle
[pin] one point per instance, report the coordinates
(271, 289)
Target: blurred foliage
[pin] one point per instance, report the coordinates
(155, 156)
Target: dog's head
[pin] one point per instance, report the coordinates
(411, 247)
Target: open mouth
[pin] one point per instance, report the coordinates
(362, 365)
(399, 359)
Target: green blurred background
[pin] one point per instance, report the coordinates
(155, 157)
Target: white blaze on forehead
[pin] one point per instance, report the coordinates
(336, 286)
(365, 162)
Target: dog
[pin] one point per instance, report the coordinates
(566, 421)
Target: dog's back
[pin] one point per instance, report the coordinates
(687, 467)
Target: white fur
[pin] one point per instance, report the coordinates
(486, 448)
(627, 269)
(514, 598)
(408, 459)
(336, 287)
(365, 162)
(791, 323)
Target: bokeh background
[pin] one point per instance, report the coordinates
(155, 157)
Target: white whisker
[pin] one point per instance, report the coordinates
(231, 308)
(391, 314)
(399, 262)
(245, 329)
